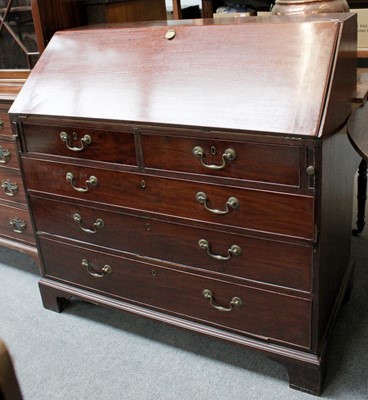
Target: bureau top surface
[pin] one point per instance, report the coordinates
(250, 74)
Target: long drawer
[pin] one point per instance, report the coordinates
(11, 186)
(93, 144)
(268, 261)
(15, 223)
(261, 313)
(277, 164)
(273, 212)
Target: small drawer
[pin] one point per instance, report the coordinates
(11, 186)
(8, 155)
(267, 315)
(5, 127)
(256, 162)
(77, 142)
(15, 223)
(272, 212)
(239, 256)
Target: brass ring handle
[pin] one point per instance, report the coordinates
(10, 188)
(106, 269)
(90, 182)
(4, 155)
(85, 141)
(232, 202)
(235, 301)
(234, 250)
(229, 155)
(97, 226)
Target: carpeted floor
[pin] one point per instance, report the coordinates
(88, 352)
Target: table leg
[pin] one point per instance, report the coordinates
(362, 196)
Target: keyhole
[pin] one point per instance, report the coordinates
(213, 150)
(143, 184)
(75, 137)
(148, 227)
(153, 272)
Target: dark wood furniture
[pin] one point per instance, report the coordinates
(112, 11)
(26, 26)
(15, 228)
(223, 207)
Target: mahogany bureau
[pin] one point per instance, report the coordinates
(198, 173)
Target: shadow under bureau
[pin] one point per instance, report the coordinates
(198, 173)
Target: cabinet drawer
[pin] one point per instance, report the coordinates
(257, 210)
(262, 260)
(8, 155)
(11, 186)
(5, 127)
(101, 145)
(249, 161)
(266, 314)
(15, 223)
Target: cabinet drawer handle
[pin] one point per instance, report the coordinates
(106, 269)
(90, 182)
(85, 141)
(98, 225)
(235, 301)
(234, 250)
(18, 225)
(4, 155)
(232, 202)
(229, 155)
(10, 188)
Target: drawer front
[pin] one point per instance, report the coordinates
(8, 155)
(266, 314)
(109, 146)
(11, 186)
(257, 210)
(15, 223)
(262, 260)
(5, 127)
(249, 161)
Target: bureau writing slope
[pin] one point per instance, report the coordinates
(198, 173)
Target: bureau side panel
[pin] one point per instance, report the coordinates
(339, 164)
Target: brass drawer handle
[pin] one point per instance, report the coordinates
(229, 155)
(98, 225)
(232, 202)
(1, 124)
(18, 225)
(4, 155)
(10, 188)
(90, 182)
(106, 269)
(235, 301)
(234, 250)
(85, 141)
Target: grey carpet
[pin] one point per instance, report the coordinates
(88, 352)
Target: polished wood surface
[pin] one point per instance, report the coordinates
(253, 248)
(155, 89)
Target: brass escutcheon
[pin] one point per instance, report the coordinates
(170, 34)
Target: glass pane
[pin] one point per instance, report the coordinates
(18, 45)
